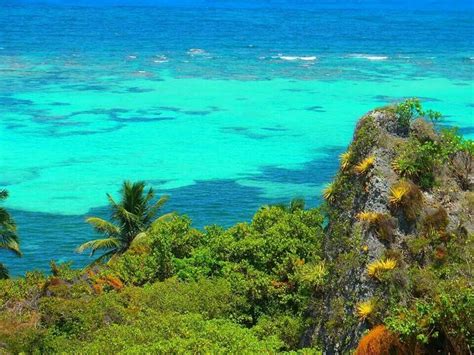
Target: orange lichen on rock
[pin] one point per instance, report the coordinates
(379, 341)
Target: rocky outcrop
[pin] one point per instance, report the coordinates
(354, 240)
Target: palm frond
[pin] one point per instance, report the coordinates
(3, 272)
(103, 226)
(126, 216)
(156, 207)
(120, 212)
(149, 196)
(9, 241)
(94, 245)
(112, 202)
(6, 221)
(3, 194)
(162, 218)
(132, 197)
(108, 255)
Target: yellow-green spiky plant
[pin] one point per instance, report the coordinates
(365, 165)
(398, 192)
(369, 216)
(328, 192)
(365, 309)
(376, 268)
(407, 196)
(345, 158)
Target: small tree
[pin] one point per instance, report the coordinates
(8, 234)
(130, 220)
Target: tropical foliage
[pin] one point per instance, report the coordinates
(365, 165)
(130, 220)
(243, 289)
(376, 268)
(8, 235)
(365, 309)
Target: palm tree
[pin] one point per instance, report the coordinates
(8, 237)
(131, 218)
(296, 204)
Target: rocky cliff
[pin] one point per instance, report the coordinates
(401, 204)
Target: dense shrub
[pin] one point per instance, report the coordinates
(410, 109)
(421, 160)
(181, 290)
(169, 333)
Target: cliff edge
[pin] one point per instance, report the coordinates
(399, 237)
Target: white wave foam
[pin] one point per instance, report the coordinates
(132, 57)
(197, 52)
(368, 57)
(160, 59)
(295, 58)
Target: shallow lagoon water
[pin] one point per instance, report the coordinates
(222, 121)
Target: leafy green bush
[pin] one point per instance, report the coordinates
(408, 110)
(420, 160)
(180, 289)
(449, 316)
(463, 162)
(411, 108)
(285, 327)
(169, 333)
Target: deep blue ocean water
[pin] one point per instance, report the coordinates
(222, 105)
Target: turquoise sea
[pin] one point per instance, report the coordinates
(223, 108)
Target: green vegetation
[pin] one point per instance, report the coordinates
(8, 236)
(419, 159)
(244, 289)
(411, 108)
(425, 253)
(426, 151)
(132, 216)
(383, 266)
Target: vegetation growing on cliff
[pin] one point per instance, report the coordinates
(384, 265)
(408, 223)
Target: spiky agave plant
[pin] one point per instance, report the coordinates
(376, 268)
(365, 309)
(398, 192)
(328, 192)
(345, 159)
(365, 165)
